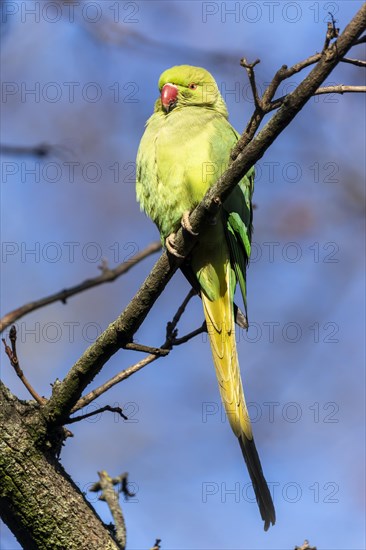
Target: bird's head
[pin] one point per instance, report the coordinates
(184, 85)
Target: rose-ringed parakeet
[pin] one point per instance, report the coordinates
(185, 148)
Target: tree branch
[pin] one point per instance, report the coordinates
(40, 150)
(146, 349)
(337, 89)
(190, 335)
(357, 62)
(117, 410)
(340, 89)
(107, 276)
(249, 67)
(120, 332)
(14, 361)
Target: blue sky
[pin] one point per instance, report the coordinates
(94, 71)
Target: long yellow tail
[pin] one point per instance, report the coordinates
(221, 329)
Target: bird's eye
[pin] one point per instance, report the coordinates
(192, 86)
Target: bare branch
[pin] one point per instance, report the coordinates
(171, 326)
(340, 89)
(287, 72)
(40, 150)
(120, 332)
(357, 62)
(146, 349)
(117, 410)
(14, 361)
(107, 276)
(251, 75)
(190, 335)
(94, 394)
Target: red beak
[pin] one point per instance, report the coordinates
(169, 95)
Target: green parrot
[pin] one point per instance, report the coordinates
(185, 148)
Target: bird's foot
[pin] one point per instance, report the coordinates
(171, 247)
(186, 224)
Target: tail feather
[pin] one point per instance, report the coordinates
(219, 315)
(260, 486)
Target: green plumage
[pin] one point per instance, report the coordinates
(185, 148)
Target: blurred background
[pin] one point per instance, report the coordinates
(82, 77)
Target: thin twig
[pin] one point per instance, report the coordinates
(190, 335)
(287, 72)
(338, 89)
(251, 75)
(117, 410)
(14, 361)
(107, 276)
(40, 150)
(146, 349)
(357, 62)
(171, 326)
(94, 394)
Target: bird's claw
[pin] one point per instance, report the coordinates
(186, 224)
(171, 248)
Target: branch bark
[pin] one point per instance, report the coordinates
(341, 89)
(39, 501)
